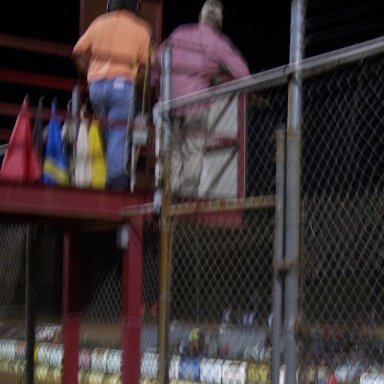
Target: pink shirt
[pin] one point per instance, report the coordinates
(118, 42)
(198, 51)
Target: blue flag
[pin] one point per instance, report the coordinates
(55, 165)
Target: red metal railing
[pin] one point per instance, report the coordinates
(32, 79)
(75, 209)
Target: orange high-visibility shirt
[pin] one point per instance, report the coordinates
(118, 42)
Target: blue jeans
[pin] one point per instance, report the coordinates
(113, 102)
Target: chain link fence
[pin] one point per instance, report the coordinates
(15, 297)
(341, 271)
(220, 297)
(222, 252)
(100, 316)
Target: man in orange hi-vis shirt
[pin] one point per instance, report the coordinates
(111, 52)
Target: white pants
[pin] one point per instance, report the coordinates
(189, 137)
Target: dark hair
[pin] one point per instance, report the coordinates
(113, 5)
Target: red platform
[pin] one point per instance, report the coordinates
(74, 208)
(67, 203)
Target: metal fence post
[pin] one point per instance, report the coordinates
(165, 220)
(75, 107)
(131, 299)
(278, 254)
(293, 190)
(71, 304)
(30, 300)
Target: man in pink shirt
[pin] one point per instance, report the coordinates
(111, 52)
(200, 51)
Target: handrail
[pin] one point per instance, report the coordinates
(35, 45)
(279, 75)
(11, 109)
(39, 80)
(36, 79)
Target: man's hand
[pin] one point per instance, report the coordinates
(222, 76)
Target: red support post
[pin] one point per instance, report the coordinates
(71, 306)
(131, 301)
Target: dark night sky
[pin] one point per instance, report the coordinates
(261, 33)
(260, 29)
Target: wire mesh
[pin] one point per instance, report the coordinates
(341, 315)
(221, 290)
(221, 252)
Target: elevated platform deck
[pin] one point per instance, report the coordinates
(68, 203)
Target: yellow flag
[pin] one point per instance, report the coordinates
(96, 151)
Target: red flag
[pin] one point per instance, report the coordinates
(20, 162)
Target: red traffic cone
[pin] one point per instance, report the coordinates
(20, 161)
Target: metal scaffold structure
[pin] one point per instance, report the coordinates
(74, 212)
(269, 272)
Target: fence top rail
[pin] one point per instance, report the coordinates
(279, 75)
